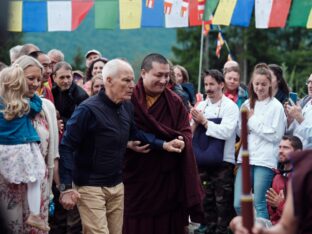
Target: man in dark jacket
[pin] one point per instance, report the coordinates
(67, 96)
(93, 147)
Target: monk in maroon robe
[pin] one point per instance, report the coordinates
(161, 189)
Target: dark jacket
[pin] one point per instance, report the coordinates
(66, 101)
(97, 136)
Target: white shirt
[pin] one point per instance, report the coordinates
(266, 128)
(226, 109)
(304, 129)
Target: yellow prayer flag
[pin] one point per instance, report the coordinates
(15, 16)
(309, 23)
(224, 12)
(130, 13)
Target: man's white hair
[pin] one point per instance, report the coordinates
(14, 51)
(231, 63)
(113, 67)
(59, 54)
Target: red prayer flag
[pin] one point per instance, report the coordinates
(79, 11)
(196, 12)
(279, 13)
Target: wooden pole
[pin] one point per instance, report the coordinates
(246, 198)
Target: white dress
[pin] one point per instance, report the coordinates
(21, 163)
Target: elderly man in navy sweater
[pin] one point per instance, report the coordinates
(92, 150)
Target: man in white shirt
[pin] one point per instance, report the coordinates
(218, 180)
(300, 118)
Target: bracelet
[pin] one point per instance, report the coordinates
(205, 123)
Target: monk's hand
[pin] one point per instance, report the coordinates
(69, 198)
(175, 145)
(273, 198)
(137, 147)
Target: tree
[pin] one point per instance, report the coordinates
(79, 60)
(249, 46)
(13, 39)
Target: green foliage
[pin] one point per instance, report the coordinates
(249, 46)
(13, 40)
(78, 60)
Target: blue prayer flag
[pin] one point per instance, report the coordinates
(34, 16)
(242, 13)
(153, 17)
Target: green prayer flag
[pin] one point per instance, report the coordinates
(106, 14)
(299, 13)
(210, 7)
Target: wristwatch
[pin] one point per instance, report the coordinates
(64, 187)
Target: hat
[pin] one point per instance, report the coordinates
(93, 52)
(78, 74)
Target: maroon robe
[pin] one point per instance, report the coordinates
(161, 188)
(302, 189)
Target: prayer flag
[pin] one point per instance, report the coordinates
(207, 28)
(242, 13)
(130, 13)
(210, 7)
(175, 20)
(149, 3)
(201, 8)
(309, 24)
(15, 16)
(185, 6)
(220, 43)
(224, 12)
(299, 13)
(168, 6)
(196, 11)
(153, 17)
(59, 16)
(279, 13)
(106, 14)
(34, 16)
(262, 12)
(79, 11)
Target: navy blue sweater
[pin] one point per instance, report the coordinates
(95, 142)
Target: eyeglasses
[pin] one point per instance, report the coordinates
(308, 82)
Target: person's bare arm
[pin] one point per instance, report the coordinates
(56, 175)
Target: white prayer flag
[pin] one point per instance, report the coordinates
(175, 19)
(262, 12)
(59, 16)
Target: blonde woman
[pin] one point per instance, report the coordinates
(96, 84)
(14, 196)
(20, 158)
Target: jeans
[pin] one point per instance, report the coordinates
(261, 181)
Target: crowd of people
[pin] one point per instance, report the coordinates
(94, 152)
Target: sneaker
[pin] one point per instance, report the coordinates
(37, 222)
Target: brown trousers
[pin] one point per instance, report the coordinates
(101, 209)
